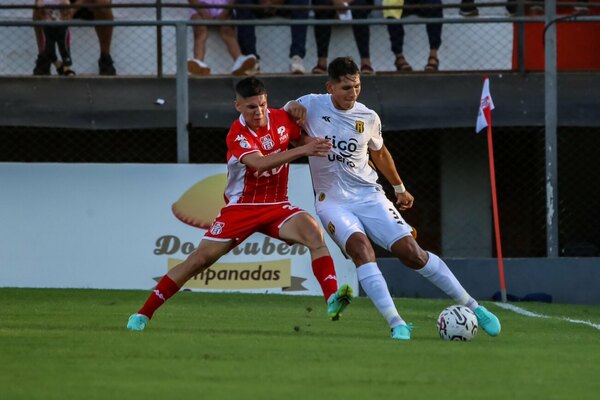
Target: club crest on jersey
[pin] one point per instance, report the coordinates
(267, 142)
(243, 142)
(359, 126)
(331, 228)
(321, 196)
(217, 228)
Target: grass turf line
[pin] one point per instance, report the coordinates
(72, 344)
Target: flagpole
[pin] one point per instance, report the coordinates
(495, 210)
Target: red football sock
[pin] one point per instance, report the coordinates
(325, 273)
(165, 289)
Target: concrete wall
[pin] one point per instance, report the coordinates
(567, 280)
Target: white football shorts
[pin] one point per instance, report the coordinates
(372, 214)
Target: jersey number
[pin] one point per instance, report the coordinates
(396, 216)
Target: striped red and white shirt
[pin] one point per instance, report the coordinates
(244, 185)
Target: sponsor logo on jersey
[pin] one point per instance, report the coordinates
(359, 126)
(270, 172)
(345, 150)
(243, 142)
(331, 228)
(326, 118)
(217, 228)
(267, 142)
(321, 196)
(330, 278)
(283, 136)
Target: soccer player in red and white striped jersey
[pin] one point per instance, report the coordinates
(257, 201)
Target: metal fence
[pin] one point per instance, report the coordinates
(144, 39)
(521, 152)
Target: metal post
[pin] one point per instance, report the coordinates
(551, 108)
(159, 60)
(521, 38)
(183, 155)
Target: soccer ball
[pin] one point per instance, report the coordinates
(457, 323)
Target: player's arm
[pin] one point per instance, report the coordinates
(296, 111)
(385, 164)
(261, 163)
(304, 139)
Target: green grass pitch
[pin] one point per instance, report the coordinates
(73, 344)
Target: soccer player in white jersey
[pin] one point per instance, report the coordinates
(353, 207)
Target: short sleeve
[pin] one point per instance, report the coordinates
(306, 100)
(376, 140)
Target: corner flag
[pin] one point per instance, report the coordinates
(484, 120)
(484, 117)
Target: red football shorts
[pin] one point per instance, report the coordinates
(237, 222)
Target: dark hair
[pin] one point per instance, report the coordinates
(341, 67)
(250, 87)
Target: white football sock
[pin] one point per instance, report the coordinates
(438, 273)
(374, 285)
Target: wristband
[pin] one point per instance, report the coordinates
(399, 188)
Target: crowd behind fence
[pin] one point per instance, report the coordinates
(143, 40)
(145, 43)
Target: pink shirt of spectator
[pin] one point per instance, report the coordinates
(214, 12)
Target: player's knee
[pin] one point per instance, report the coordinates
(313, 238)
(360, 250)
(410, 253)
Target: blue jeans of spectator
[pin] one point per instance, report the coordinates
(247, 35)
(434, 31)
(323, 32)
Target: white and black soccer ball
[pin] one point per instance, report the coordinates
(457, 323)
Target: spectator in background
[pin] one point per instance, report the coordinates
(52, 37)
(396, 32)
(468, 8)
(361, 32)
(104, 33)
(247, 34)
(196, 66)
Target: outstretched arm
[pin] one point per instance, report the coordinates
(317, 147)
(385, 164)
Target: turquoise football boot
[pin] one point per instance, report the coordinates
(402, 332)
(338, 301)
(137, 322)
(487, 321)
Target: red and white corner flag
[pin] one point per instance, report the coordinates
(484, 120)
(484, 117)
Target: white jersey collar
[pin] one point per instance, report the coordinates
(333, 107)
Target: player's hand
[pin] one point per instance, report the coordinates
(296, 111)
(404, 200)
(318, 147)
